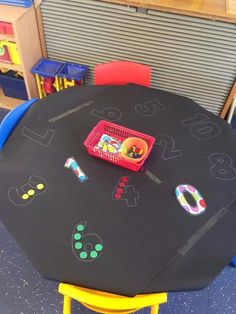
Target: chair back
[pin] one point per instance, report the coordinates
(103, 302)
(121, 73)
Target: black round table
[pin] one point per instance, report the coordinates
(171, 228)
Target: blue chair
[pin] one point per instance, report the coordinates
(12, 119)
(233, 262)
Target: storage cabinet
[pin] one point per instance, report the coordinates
(24, 39)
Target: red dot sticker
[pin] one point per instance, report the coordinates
(202, 203)
(117, 195)
(122, 184)
(125, 179)
(119, 190)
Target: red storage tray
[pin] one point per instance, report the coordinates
(6, 28)
(120, 133)
(4, 53)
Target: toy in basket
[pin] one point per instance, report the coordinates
(119, 145)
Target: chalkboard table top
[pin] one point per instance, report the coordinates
(169, 227)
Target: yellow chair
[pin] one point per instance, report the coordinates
(108, 303)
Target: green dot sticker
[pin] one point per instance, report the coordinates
(77, 236)
(83, 255)
(98, 247)
(78, 245)
(80, 227)
(93, 254)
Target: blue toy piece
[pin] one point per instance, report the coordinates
(233, 262)
(73, 71)
(18, 3)
(12, 119)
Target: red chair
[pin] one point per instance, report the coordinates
(121, 73)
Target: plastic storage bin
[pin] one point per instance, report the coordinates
(72, 71)
(53, 76)
(121, 133)
(45, 71)
(6, 28)
(19, 3)
(47, 68)
(13, 86)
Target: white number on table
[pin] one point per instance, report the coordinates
(149, 108)
(167, 148)
(201, 128)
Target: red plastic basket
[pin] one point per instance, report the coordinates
(121, 133)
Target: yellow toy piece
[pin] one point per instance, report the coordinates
(108, 303)
(39, 85)
(13, 51)
(40, 80)
(19, 74)
(64, 83)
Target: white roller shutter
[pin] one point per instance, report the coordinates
(190, 56)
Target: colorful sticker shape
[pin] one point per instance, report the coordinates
(200, 207)
(86, 247)
(72, 164)
(109, 144)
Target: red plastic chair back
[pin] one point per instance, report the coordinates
(122, 72)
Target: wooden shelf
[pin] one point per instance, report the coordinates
(7, 37)
(231, 6)
(10, 13)
(8, 102)
(26, 37)
(13, 67)
(210, 9)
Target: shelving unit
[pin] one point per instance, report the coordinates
(26, 37)
(7, 37)
(8, 102)
(9, 66)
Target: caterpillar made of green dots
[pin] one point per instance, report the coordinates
(87, 247)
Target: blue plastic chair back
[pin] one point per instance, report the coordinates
(233, 262)
(11, 120)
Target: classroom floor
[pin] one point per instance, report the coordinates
(24, 291)
(8, 102)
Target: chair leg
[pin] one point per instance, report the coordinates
(67, 305)
(154, 309)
